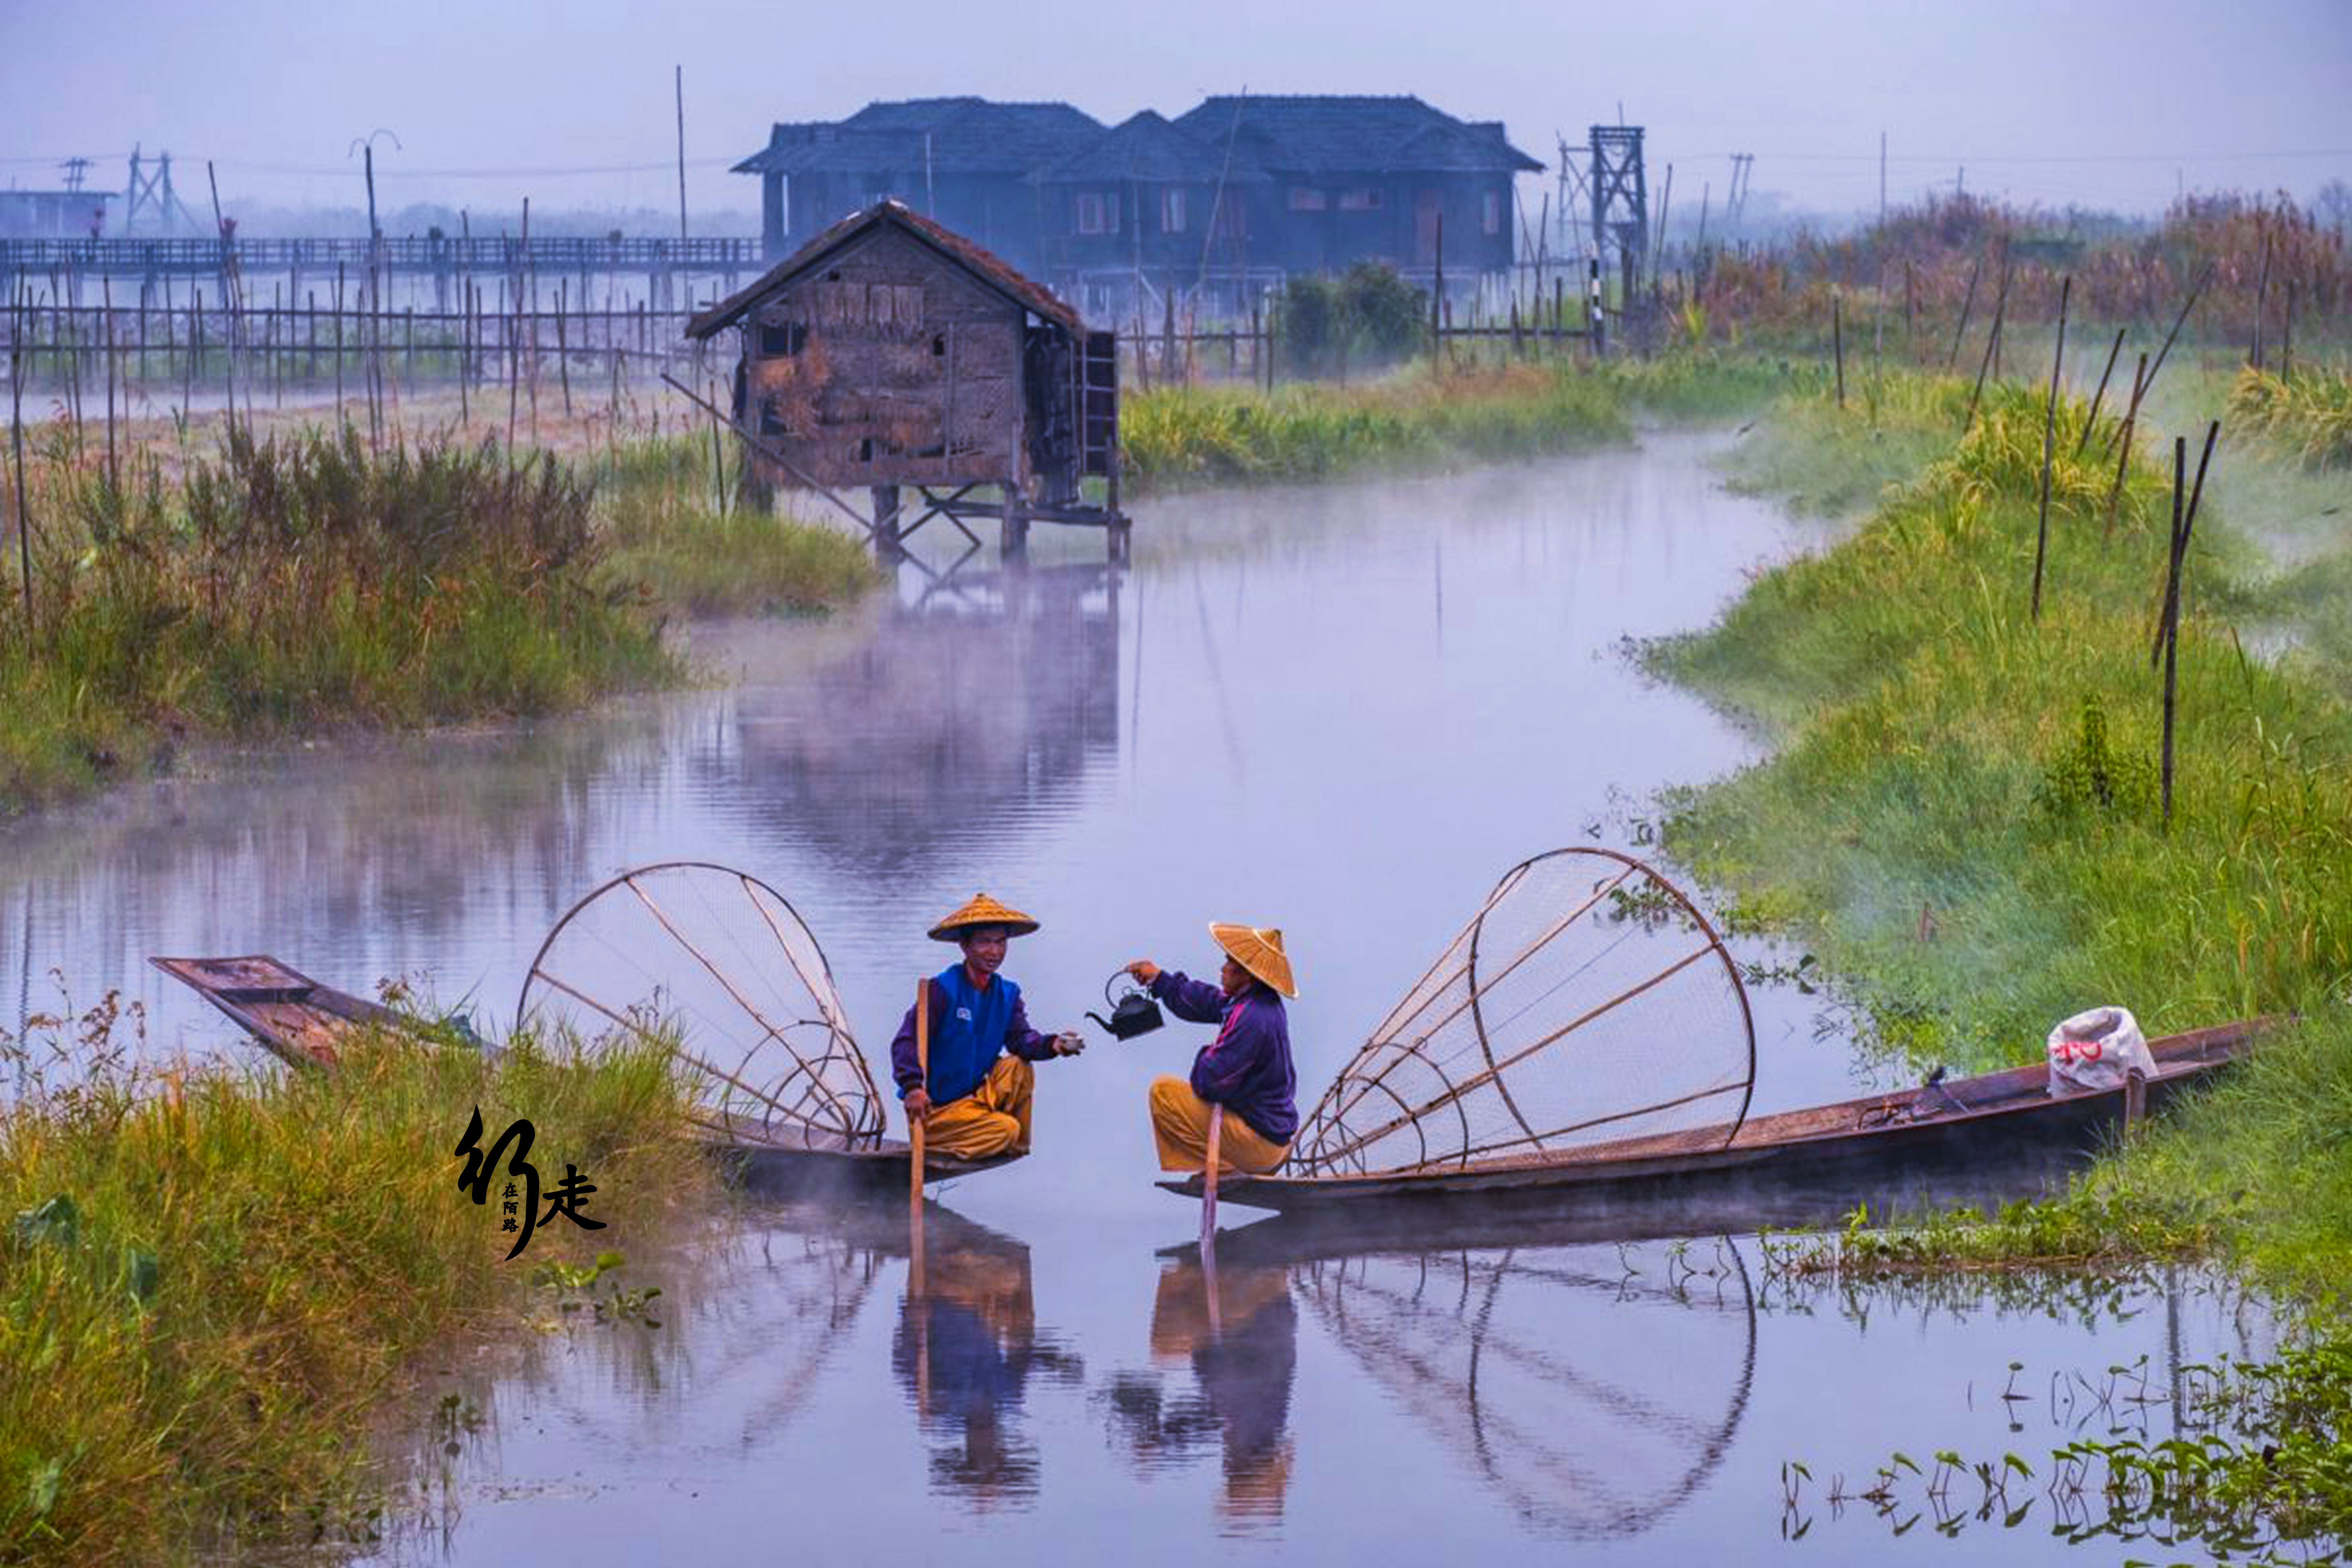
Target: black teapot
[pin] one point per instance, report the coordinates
(1132, 1013)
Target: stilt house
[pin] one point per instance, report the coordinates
(889, 351)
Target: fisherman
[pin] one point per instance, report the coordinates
(974, 1101)
(1246, 1068)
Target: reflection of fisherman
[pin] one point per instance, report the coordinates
(975, 1101)
(1244, 1360)
(1246, 1068)
(965, 1349)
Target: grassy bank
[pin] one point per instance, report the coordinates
(305, 580)
(1176, 437)
(1962, 818)
(297, 584)
(211, 1284)
(659, 525)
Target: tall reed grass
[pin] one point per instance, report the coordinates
(1963, 816)
(210, 1282)
(299, 582)
(660, 523)
(2309, 412)
(1180, 436)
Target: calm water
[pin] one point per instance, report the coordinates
(1343, 713)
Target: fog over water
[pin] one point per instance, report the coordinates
(1342, 711)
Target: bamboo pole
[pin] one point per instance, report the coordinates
(2091, 423)
(563, 351)
(2168, 612)
(2124, 443)
(1952, 360)
(16, 442)
(2048, 444)
(113, 467)
(1992, 347)
(2178, 321)
(1837, 344)
(2168, 623)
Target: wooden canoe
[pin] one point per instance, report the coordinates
(304, 1022)
(2002, 1134)
(296, 1017)
(786, 1158)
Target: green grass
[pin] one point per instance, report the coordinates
(210, 1285)
(658, 525)
(1178, 436)
(2309, 413)
(310, 582)
(1962, 819)
(1941, 755)
(306, 582)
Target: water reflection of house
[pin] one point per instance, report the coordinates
(985, 701)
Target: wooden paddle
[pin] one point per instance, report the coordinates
(915, 1133)
(1209, 1182)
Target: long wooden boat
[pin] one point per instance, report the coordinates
(786, 1158)
(2001, 1134)
(304, 1022)
(296, 1017)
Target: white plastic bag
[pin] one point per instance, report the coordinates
(2098, 1049)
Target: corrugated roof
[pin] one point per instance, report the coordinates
(967, 136)
(975, 258)
(1147, 146)
(1345, 134)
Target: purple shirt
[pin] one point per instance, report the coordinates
(1247, 1067)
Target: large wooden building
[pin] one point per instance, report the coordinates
(1229, 197)
(889, 350)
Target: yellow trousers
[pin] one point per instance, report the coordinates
(1179, 1124)
(991, 1119)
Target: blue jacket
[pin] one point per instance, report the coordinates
(969, 1030)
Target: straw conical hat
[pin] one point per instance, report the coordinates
(982, 910)
(1257, 949)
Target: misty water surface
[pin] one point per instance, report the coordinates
(1342, 711)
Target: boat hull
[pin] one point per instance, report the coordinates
(1980, 1139)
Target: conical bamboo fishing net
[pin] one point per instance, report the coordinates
(714, 967)
(1587, 1002)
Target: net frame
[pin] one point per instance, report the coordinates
(1329, 1144)
(813, 1097)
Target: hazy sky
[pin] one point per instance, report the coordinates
(2106, 104)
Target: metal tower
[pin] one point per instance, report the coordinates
(1621, 202)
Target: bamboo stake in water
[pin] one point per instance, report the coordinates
(113, 468)
(2168, 612)
(17, 441)
(2049, 443)
(2124, 445)
(2088, 425)
(1992, 347)
(1952, 360)
(1837, 344)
